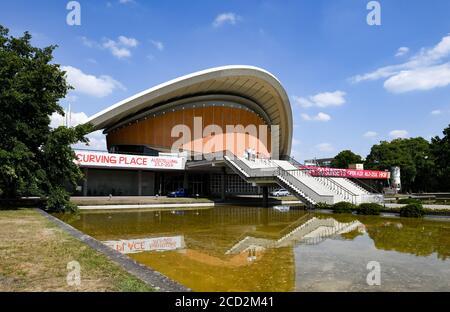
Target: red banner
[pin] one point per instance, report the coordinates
(347, 173)
(109, 160)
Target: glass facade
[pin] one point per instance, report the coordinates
(234, 185)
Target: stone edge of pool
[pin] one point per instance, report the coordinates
(168, 206)
(149, 276)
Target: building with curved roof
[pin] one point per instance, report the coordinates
(236, 122)
(234, 108)
(221, 96)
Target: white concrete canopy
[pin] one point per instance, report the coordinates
(248, 82)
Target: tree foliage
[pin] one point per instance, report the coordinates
(412, 211)
(343, 207)
(345, 158)
(412, 155)
(440, 149)
(34, 158)
(425, 166)
(369, 209)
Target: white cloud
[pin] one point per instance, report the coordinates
(126, 1)
(89, 43)
(73, 120)
(158, 45)
(226, 18)
(319, 117)
(120, 48)
(423, 71)
(89, 84)
(324, 99)
(419, 79)
(97, 139)
(302, 102)
(370, 134)
(128, 42)
(436, 112)
(396, 134)
(380, 73)
(402, 51)
(305, 117)
(325, 147)
(322, 117)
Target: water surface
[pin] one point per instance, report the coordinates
(282, 248)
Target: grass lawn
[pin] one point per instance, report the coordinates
(34, 254)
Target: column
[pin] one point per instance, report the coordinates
(265, 196)
(85, 182)
(185, 181)
(139, 182)
(224, 185)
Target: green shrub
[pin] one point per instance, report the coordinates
(412, 211)
(372, 209)
(58, 200)
(408, 201)
(437, 212)
(343, 207)
(322, 206)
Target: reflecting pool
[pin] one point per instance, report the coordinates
(280, 248)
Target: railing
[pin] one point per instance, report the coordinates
(299, 222)
(296, 191)
(292, 160)
(254, 172)
(338, 189)
(309, 195)
(366, 187)
(333, 232)
(290, 177)
(305, 229)
(332, 185)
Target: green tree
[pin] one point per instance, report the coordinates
(414, 158)
(440, 149)
(34, 158)
(345, 158)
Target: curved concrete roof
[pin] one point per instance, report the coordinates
(249, 82)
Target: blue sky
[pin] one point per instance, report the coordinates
(350, 84)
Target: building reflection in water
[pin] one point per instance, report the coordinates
(236, 248)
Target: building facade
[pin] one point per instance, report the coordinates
(230, 109)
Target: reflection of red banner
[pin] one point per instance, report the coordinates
(347, 173)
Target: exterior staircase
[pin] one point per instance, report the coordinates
(307, 188)
(313, 231)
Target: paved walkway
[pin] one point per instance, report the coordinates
(429, 206)
(146, 206)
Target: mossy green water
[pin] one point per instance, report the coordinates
(257, 249)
